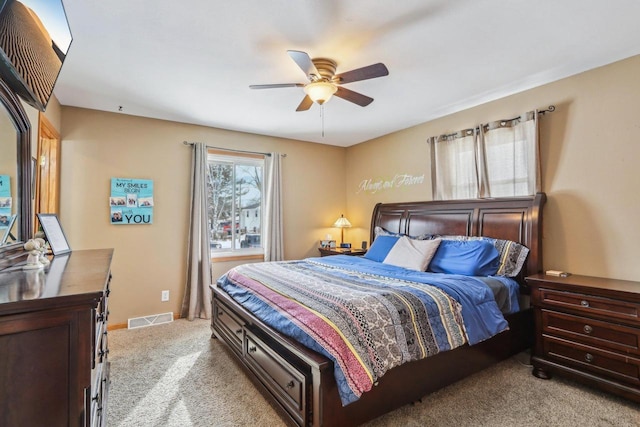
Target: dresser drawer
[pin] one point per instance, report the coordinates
(587, 358)
(589, 305)
(228, 324)
(99, 391)
(285, 382)
(598, 333)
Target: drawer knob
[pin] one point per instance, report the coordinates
(238, 331)
(252, 349)
(584, 303)
(588, 357)
(290, 384)
(587, 329)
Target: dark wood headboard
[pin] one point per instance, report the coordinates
(517, 219)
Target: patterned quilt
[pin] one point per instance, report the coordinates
(365, 316)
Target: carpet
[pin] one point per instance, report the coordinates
(176, 375)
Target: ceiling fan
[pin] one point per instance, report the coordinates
(324, 82)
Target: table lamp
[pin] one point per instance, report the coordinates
(342, 223)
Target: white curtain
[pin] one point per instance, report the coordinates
(499, 159)
(196, 302)
(454, 169)
(273, 223)
(510, 156)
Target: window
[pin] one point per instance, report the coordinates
(235, 191)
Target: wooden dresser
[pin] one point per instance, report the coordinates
(588, 329)
(54, 369)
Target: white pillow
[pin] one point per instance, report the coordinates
(412, 254)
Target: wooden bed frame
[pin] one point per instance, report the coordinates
(300, 383)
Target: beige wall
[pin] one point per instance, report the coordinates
(589, 152)
(150, 258)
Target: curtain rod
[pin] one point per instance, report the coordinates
(550, 109)
(232, 150)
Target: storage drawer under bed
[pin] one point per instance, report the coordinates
(285, 381)
(227, 323)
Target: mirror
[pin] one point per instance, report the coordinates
(15, 169)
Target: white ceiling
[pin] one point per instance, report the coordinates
(192, 61)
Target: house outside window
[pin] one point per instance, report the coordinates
(236, 197)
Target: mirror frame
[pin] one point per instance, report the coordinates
(18, 116)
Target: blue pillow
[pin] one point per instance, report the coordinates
(470, 258)
(381, 247)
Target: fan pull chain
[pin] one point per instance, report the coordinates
(322, 118)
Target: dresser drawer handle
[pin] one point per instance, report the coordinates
(238, 331)
(290, 384)
(587, 329)
(584, 303)
(252, 349)
(588, 357)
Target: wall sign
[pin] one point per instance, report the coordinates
(373, 186)
(131, 201)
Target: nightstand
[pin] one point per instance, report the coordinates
(588, 329)
(341, 251)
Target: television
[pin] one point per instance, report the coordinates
(34, 41)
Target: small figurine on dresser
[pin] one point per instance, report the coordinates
(43, 251)
(33, 260)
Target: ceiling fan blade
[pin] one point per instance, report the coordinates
(364, 73)
(277, 85)
(304, 62)
(305, 104)
(355, 97)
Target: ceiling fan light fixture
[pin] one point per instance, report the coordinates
(320, 92)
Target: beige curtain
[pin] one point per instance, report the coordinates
(498, 159)
(273, 221)
(196, 302)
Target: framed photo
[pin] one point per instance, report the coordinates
(6, 224)
(327, 244)
(53, 231)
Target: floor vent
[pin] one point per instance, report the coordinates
(154, 319)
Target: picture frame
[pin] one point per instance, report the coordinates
(5, 229)
(54, 234)
(328, 244)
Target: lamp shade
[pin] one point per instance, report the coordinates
(342, 222)
(320, 92)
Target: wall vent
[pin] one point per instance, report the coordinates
(154, 319)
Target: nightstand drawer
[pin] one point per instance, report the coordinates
(587, 358)
(590, 331)
(590, 305)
